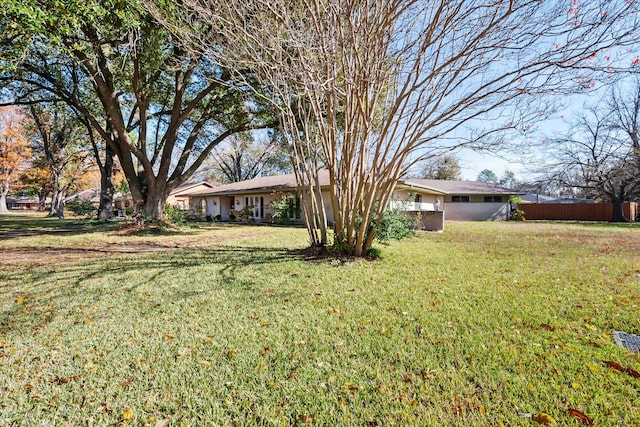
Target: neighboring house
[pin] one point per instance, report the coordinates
(24, 202)
(181, 195)
(459, 200)
(123, 201)
(91, 195)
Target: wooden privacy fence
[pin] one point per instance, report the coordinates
(576, 211)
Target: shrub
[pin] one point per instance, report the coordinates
(174, 214)
(516, 215)
(281, 207)
(395, 225)
(81, 207)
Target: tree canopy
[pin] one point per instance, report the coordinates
(161, 109)
(15, 153)
(441, 167)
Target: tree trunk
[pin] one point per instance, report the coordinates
(4, 190)
(105, 210)
(56, 192)
(154, 204)
(618, 211)
(42, 200)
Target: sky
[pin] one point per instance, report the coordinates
(472, 163)
(534, 157)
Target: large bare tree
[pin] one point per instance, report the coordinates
(246, 156)
(600, 157)
(365, 88)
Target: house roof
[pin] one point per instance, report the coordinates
(261, 185)
(455, 187)
(190, 188)
(91, 195)
(25, 199)
(288, 183)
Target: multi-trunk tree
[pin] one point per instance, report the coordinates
(159, 108)
(367, 87)
(15, 153)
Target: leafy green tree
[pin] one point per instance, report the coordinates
(444, 167)
(161, 109)
(487, 175)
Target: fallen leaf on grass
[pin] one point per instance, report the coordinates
(580, 416)
(620, 368)
(20, 300)
(592, 367)
(351, 386)
(128, 415)
(308, 419)
(63, 380)
(163, 423)
(540, 418)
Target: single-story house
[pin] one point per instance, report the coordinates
(22, 202)
(180, 196)
(458, 200)
(222, 201)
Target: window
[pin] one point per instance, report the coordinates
(257, 206)
(294, 207)
(460, 199)
(418, 198)
(492, 199)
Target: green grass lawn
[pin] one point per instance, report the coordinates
(228, 325)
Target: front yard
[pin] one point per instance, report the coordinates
(232, 325)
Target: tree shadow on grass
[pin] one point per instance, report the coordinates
(14, 226)
(43, 294)
(24, 226)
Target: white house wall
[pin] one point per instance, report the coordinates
(405, 200)
(476, 211)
